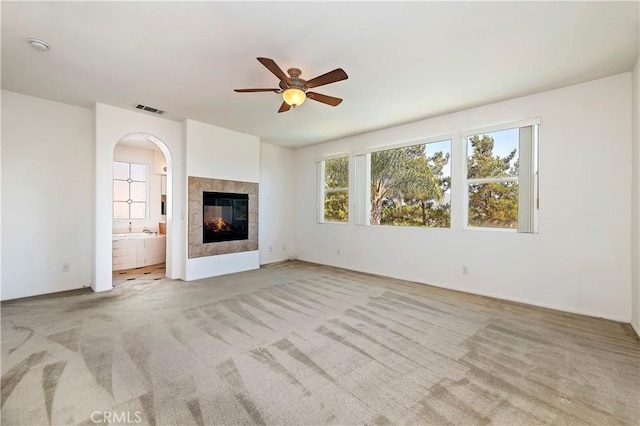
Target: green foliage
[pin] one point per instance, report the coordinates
(483, 164)
(413, 215)
(407, 187)
(493, 204)
(336, 206)
(336, 175)
(388, 174)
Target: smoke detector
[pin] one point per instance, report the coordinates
(38, 44)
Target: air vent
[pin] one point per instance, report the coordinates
(150, 109)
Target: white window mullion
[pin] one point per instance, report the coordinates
(366, 201)
(493, 180)
(362, 190)
(320, 180)
(536, 179)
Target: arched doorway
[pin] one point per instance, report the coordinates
(139, 210)
(104, 215)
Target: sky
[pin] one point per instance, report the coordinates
(505, 141)
(444, 146)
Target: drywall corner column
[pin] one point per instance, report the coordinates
(635, 200)
(94, 196)
(0, 204)
(217, 153)
(184, 201)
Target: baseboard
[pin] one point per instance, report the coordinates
(489, 294)
(46, 296)
(273, 262)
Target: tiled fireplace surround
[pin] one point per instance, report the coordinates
(197, 186)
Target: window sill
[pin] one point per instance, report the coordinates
(410, 227)
(484, 229)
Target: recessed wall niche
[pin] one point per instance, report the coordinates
(197, 188)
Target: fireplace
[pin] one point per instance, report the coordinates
(225, 217)
(243, 223)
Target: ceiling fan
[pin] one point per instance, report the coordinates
(294, 89)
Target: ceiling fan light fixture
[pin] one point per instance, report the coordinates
(294, 96)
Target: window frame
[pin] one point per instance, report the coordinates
(321, 191)
(466, 182)
(363, 201)
(147, 190)
(412, 142)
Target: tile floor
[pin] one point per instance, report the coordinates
(144, 273)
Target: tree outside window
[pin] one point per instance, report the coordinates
(410, 186)
(501, 184)
(336, 189)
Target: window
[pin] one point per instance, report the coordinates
(129, 191)
(501, 178)
(410, 185)
(334, 190)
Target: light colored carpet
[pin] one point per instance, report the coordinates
(298, 343)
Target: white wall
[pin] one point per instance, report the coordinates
(635, 200)
(150, 158)
(277, 186)
(47, 210)
(217, 153)
(111, 125)
(580, 260)
(1, 234)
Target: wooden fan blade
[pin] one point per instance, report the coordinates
(256, 90)
(329, 100)
(284, 107)
(331, 77)
(275, 69)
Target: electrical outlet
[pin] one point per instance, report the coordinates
(284, 247)
(465, 269)
(338, 251)
(270, 248)
(66, 267)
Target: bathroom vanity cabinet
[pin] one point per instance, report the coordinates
(135, 251)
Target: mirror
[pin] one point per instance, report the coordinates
(163, 194)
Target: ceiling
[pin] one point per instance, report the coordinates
(405, 60)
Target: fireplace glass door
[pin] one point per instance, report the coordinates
(225, 217)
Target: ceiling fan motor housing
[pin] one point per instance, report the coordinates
(294, 72)
(294, 78)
